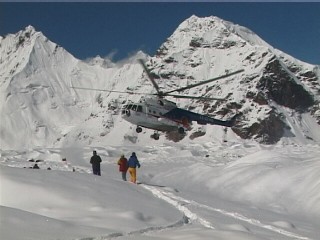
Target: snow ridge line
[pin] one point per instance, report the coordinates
(179, 202)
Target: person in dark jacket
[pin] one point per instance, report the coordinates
(133, 163)
(123, 167)
(35, 166)
(95, 162)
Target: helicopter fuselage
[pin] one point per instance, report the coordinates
(151, 113)
(160, 114)
(164, 115)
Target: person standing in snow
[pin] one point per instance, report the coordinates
(35, 166)
(123, 167)
(95, 162)
(133, 163)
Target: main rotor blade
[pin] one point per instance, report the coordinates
(204, 82)
(116, 91)
(194, 97)
(150, 76)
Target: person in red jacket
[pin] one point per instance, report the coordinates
(123, 167)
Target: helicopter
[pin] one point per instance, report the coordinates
(154, 111)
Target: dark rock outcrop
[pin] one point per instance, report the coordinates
(279, 86)
(269, 130)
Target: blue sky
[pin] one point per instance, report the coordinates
(102, 28)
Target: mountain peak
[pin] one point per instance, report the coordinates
(25, 52)
(202, 33)
(16, 48)
(196, 23)
(29, 29)
(27, 34)
(212, 29)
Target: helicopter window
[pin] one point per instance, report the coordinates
(139, 109)
(134, 107)
(161, 103)
(129, 106)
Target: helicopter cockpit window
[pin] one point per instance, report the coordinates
(129, 106)
(139, 109)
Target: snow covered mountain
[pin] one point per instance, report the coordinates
(277, 94)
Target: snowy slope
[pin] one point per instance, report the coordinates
(235, 190)
(38, 101)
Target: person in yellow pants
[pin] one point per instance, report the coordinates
(133, 163)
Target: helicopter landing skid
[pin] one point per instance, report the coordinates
(138, 129)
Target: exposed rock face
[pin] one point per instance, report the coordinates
(269, 130)
(279, 86)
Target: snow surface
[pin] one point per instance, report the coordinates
(200, 190)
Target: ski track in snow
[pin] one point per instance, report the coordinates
(180, 223)
(189, 216)
(180, 203)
